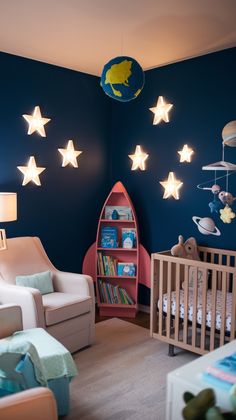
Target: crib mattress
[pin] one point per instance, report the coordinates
(199, 307)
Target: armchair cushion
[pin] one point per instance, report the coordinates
(41, 281)
(62, 306)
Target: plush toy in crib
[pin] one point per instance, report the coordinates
(187, 249)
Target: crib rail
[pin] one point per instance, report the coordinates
(188, 314)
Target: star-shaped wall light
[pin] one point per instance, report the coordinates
(161, 111)
(186, 154)
(138, 159)
(172, 186)
(70, 155)
(31, 172)
(36, 122)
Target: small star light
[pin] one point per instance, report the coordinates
(138, 159)
(31, 172)
(36, 122)
(185, 154)
(161, 111)
(227, 214)
(172, 186)
(70, 154)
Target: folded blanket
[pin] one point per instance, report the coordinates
(56, 359)
(223, 372)
(11, 354)
(51, 360)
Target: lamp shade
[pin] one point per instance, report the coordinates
(8, 206)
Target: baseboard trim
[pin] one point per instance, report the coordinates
(144, 308)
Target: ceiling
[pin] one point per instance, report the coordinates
(84, 34)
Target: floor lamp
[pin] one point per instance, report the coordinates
(8, 213)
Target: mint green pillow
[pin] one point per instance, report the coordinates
(40, 281)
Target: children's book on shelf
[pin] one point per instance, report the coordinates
(118, 212)
(128, 238)
(113, 294)
(107, 265)
(109, 237)
(126, 269)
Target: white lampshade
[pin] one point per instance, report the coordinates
(8, 207)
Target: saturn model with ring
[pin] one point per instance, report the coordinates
(206, 226)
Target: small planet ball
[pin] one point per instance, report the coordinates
(122, 78)
(206, 225)
(229, 134)
(215, 189)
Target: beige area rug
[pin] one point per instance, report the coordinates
(123, 375)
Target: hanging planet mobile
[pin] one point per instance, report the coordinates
(206, 226)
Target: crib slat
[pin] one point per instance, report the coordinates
(228, 275)
(213, 311)
(194, 321)
(177, 301)
(168, 318)
(154, 294)
(186, 297)
(223, 309)
(161, 277)
(233, 313)
(204, 303)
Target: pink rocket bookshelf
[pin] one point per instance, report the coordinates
(136, 256)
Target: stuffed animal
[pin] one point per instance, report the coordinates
(187, 249)
(202, 406)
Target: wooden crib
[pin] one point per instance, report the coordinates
(199, 318)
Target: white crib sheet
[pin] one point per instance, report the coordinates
(199, 307)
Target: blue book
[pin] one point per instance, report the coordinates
(125, 269)
(109, 237)
(128, 238)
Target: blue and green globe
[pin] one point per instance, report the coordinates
(122, 78)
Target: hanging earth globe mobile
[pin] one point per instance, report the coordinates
(122, 78)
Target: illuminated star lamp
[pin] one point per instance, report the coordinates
(8, 213)
(171, 186)
(36, 122)
(31, 172)
(185, 154)
(70, 155)
(138, 159)
(161, 111)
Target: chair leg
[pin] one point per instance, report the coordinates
(171, 352)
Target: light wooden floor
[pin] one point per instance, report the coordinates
(142, 319)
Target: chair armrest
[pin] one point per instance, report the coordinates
(10, 320)
(30, 301)
(36, 403)
(73, 283)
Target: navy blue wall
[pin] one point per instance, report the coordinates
(63, 212)
(202, 91)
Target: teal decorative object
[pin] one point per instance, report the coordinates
(115, 215)
(122, 78)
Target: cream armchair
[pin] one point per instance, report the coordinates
(68, 313)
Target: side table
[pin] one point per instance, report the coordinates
(189, 378)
